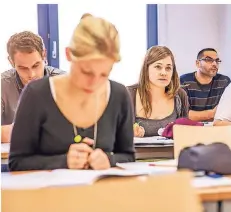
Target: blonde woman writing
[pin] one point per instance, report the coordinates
(80, 120)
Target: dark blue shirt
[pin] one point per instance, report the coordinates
(204, 96)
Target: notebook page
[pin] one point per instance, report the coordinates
(25, 181)
(66, 177)
(61, 177)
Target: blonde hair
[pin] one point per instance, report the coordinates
(95, 38)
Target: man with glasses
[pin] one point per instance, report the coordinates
(27, 55)
(205, 86)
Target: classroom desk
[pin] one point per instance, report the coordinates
(206, 194)
(154, 152)
(215, 194)
(142, 152)
(209, 196)
(4, 155)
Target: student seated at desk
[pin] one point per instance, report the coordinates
(205, 86)
(27, 56)
(223, 113)
(157, 98)
(56, 112)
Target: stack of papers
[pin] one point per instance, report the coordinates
(61, 177)
(155, 140)
(5, 147)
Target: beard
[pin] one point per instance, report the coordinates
(212, 72)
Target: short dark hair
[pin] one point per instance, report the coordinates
(201, 52)
(25, 41)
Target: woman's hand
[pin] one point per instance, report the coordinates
(77, 156)
(99, 160)
(138, 130)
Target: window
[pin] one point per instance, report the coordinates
(130, 21)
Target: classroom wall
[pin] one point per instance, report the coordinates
(130, 20)
(186, 29)
(225, 37)
(15, 21)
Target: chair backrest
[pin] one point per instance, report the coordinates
(162, 193)
(190, 135)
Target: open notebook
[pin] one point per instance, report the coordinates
(62, 177)
(155, 140)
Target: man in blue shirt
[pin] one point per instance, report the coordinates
(205, 86)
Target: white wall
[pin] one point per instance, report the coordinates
(225, 39)
(131, 24)
(186, 29)
(15, 18)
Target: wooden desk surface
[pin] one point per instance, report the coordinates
(109, 195)
(154, 152)
(206, 194)
(215, 194)
(4, 155)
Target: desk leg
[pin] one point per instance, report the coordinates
(226, 206)
(210, 207)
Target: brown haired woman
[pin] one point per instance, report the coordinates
(157, 98)
(80, 120)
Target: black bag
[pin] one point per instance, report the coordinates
(215, 157)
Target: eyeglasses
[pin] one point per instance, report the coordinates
(210, 60)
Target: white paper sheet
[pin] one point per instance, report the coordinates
(5, 147)
(64, 177)
(25, 181)
(171, 163)
(61, 177)
(145, 166)
(152, 140)
(67, 177)
(206, 182)
(207, 124)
